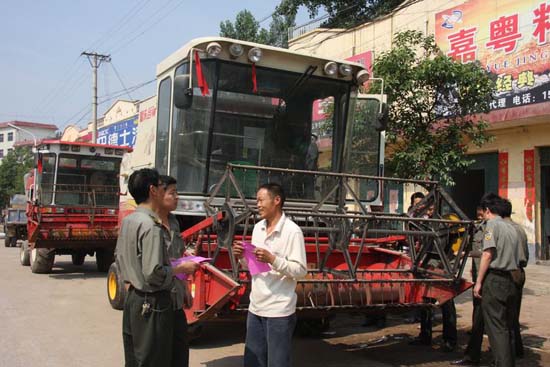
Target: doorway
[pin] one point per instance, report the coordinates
(470, 186)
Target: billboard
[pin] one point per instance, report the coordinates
(121, 133)
(511, 38)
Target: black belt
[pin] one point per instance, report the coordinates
(500, 272)
(148, 294)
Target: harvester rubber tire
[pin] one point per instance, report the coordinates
(7, 241)
(116, 292)
(78, 258)
(104, 258)
(25, 254)
(42, 260)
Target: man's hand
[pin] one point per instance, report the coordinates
(264, 256)
(477, 290)
(238, 249)
(186, 267)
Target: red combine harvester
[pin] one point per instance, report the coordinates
(358, 260)
(233, 115)
(72, 204)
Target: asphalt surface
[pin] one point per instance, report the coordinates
(64, 319)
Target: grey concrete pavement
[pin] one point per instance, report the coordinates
(64, 319)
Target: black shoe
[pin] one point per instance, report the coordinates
(420, 341)
(465, 362)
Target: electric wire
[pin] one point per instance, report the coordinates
(120, 80)
(162, 17)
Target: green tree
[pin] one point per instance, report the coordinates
(341, 13)
(14, 165)
(247, 28)
(434, 106)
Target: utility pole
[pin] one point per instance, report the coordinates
(95, 60)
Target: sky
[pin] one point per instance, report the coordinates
(43, 77)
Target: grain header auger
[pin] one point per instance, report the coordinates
(360, 259)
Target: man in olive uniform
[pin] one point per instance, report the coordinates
(472, 354)
(148, 316)
(495, 285)
(523, 255)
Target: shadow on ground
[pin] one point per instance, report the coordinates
(67, 271)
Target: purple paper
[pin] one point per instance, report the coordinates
(254, 266)
(195, 259)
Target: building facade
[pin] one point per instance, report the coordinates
(511, 38)
(16, 132)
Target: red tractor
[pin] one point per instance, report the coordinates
(72, 204)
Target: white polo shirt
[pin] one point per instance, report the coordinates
(274, 293)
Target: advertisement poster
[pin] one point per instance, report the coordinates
(510, 38)
(121, 133)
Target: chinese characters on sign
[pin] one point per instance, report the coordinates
(122, 133)
(510, 38)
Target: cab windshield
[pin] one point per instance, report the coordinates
(293, 120)
(80, 180)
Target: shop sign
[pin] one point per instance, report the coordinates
(121, 133)
(510, 38)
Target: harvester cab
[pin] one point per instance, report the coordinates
(72, 196)
(233, 115)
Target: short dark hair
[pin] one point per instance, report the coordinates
(166, 180)
(417, 195)
(493, 202)
(274, 190)
(506, 208)
(140, 181)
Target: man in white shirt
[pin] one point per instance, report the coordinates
(272, 311)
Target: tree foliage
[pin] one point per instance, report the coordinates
(247, 28)
(434, 104)
(341, 13)
(14, 165)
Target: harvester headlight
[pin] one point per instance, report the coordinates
(213, 49)
(345, 70)
(255, 54)
(362, 77)
(236, 50)
(331, 68)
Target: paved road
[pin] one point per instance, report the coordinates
(64, 319)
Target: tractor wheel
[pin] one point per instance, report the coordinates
(42, 260)
(78, 258)
(104, 258)
(7, 241)
(115, 288)
(24, 254)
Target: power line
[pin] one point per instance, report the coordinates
(139, 6)
(162, 17)
(120, 80)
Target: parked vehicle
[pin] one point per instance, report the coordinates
(72, 204)
(15, 221)
(233, 115)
